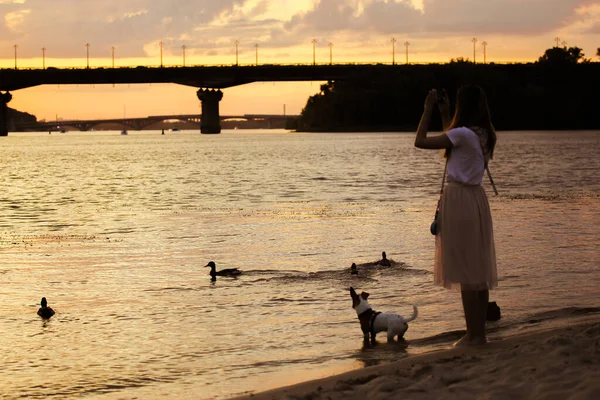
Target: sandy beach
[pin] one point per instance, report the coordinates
(559, 362)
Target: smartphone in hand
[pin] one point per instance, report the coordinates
(442, 97)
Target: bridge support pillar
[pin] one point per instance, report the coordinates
(211, 121)
(5, 98)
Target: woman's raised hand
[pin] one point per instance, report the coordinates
(431, 100)
(443, 104)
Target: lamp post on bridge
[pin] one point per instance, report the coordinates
(161, 49)
(330, 53)
(183, 48)
(87, 57)
(256, 50)
(484, 52)
(314, 42)
(406, 44)
(15, 46)
(237, 42)
(43, 58)
(393, 40)
(474, 40)
(113, 56)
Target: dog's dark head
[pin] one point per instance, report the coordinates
(357, 299)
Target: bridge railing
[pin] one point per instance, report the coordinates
(321, 64)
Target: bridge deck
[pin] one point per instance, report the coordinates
(217, 77)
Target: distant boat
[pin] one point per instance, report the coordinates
(174, 129)
(124, 131)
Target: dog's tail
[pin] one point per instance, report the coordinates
(415, 314)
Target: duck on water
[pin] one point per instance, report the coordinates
(45, 311)
(232, 272)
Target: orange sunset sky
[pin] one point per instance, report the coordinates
(360, 31)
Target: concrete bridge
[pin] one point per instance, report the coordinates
(155, 122)
(209, 79)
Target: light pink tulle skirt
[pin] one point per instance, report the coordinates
(465, 255)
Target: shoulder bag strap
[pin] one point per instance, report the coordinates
(491, 180)
(487, 169)
(442, 188)
(444, 177)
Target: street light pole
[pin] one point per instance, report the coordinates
(183, 48)
(87, 52)
(43, 58)
(256, 47)
(237, 42)
(474, 40)
(113, 56)
(314, 42)
(161, 49)
(393, 51)
(330, 53)
(15, 46)
(406, 44)
(484, 52)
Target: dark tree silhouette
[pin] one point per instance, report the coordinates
(459, 60)
(563, 55)
(598, 52)
(549, 94)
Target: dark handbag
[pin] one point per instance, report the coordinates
(493, 311)
(434, 227)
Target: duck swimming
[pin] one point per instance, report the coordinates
(45, 311)
(384, 261)
(224, 272)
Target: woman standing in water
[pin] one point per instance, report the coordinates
(465, 255)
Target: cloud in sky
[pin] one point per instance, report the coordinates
(135, 27)
(437, 17)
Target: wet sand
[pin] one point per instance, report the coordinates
(560, 362)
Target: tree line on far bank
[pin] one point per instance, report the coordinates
(559, 91)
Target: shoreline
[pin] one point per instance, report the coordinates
(559, 361)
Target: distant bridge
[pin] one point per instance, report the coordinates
(254, 120)
(209, 79)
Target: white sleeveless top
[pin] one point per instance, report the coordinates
(467, 162)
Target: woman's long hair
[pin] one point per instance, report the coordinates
(472, 111)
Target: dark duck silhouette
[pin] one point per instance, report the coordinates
(384, 261)
(45, 311)
(233, 272)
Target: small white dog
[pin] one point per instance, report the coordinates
(372, 322)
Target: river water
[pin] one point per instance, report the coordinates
(115, 230)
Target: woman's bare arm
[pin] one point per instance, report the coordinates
(422, 141)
